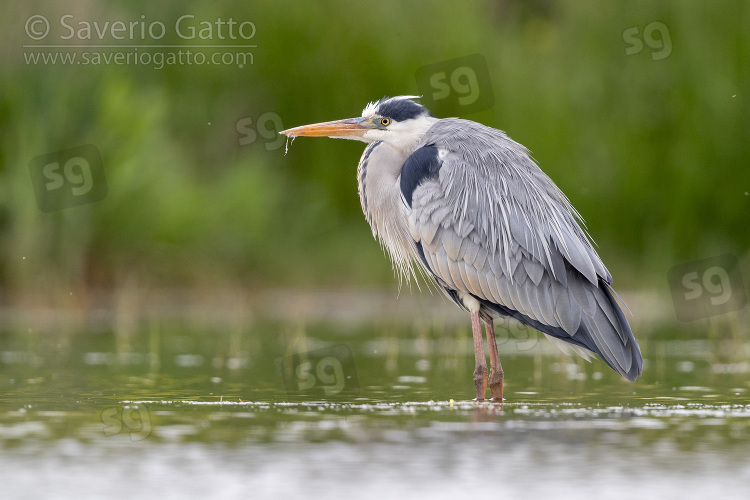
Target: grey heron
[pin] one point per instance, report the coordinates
(471, 209)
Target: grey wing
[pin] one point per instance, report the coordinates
(488, 222)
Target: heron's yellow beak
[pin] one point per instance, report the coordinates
(348, 128)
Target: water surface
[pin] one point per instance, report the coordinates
(316, 410)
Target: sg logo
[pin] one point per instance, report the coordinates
(456, 87)
(325, 372)
(68, 178)
(661, 45)
(707, 287)
(132, 420)
(526, 338)
(268, 126)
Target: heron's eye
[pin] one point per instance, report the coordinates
(385, 121)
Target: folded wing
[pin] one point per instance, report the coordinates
(488, 222)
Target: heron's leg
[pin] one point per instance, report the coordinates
(480, 370)
(496, 369)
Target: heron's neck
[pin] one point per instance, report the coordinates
(378, 176)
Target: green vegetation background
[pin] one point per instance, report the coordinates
(653, 153)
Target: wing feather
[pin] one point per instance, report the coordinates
(472, 279)
(493, 225)
(546, 303)
(455, 273)
(534, 270)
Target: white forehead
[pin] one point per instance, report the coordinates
(371, 108)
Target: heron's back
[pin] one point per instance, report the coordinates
(488, 222)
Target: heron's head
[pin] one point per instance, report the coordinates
(398, 121)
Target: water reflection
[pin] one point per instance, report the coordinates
(217, 414)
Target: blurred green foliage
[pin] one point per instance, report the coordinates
(653, 153)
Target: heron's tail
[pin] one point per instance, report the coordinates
(602, 330)
(609, 335)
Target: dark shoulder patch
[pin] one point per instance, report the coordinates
(401, 109)
(423, 164)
